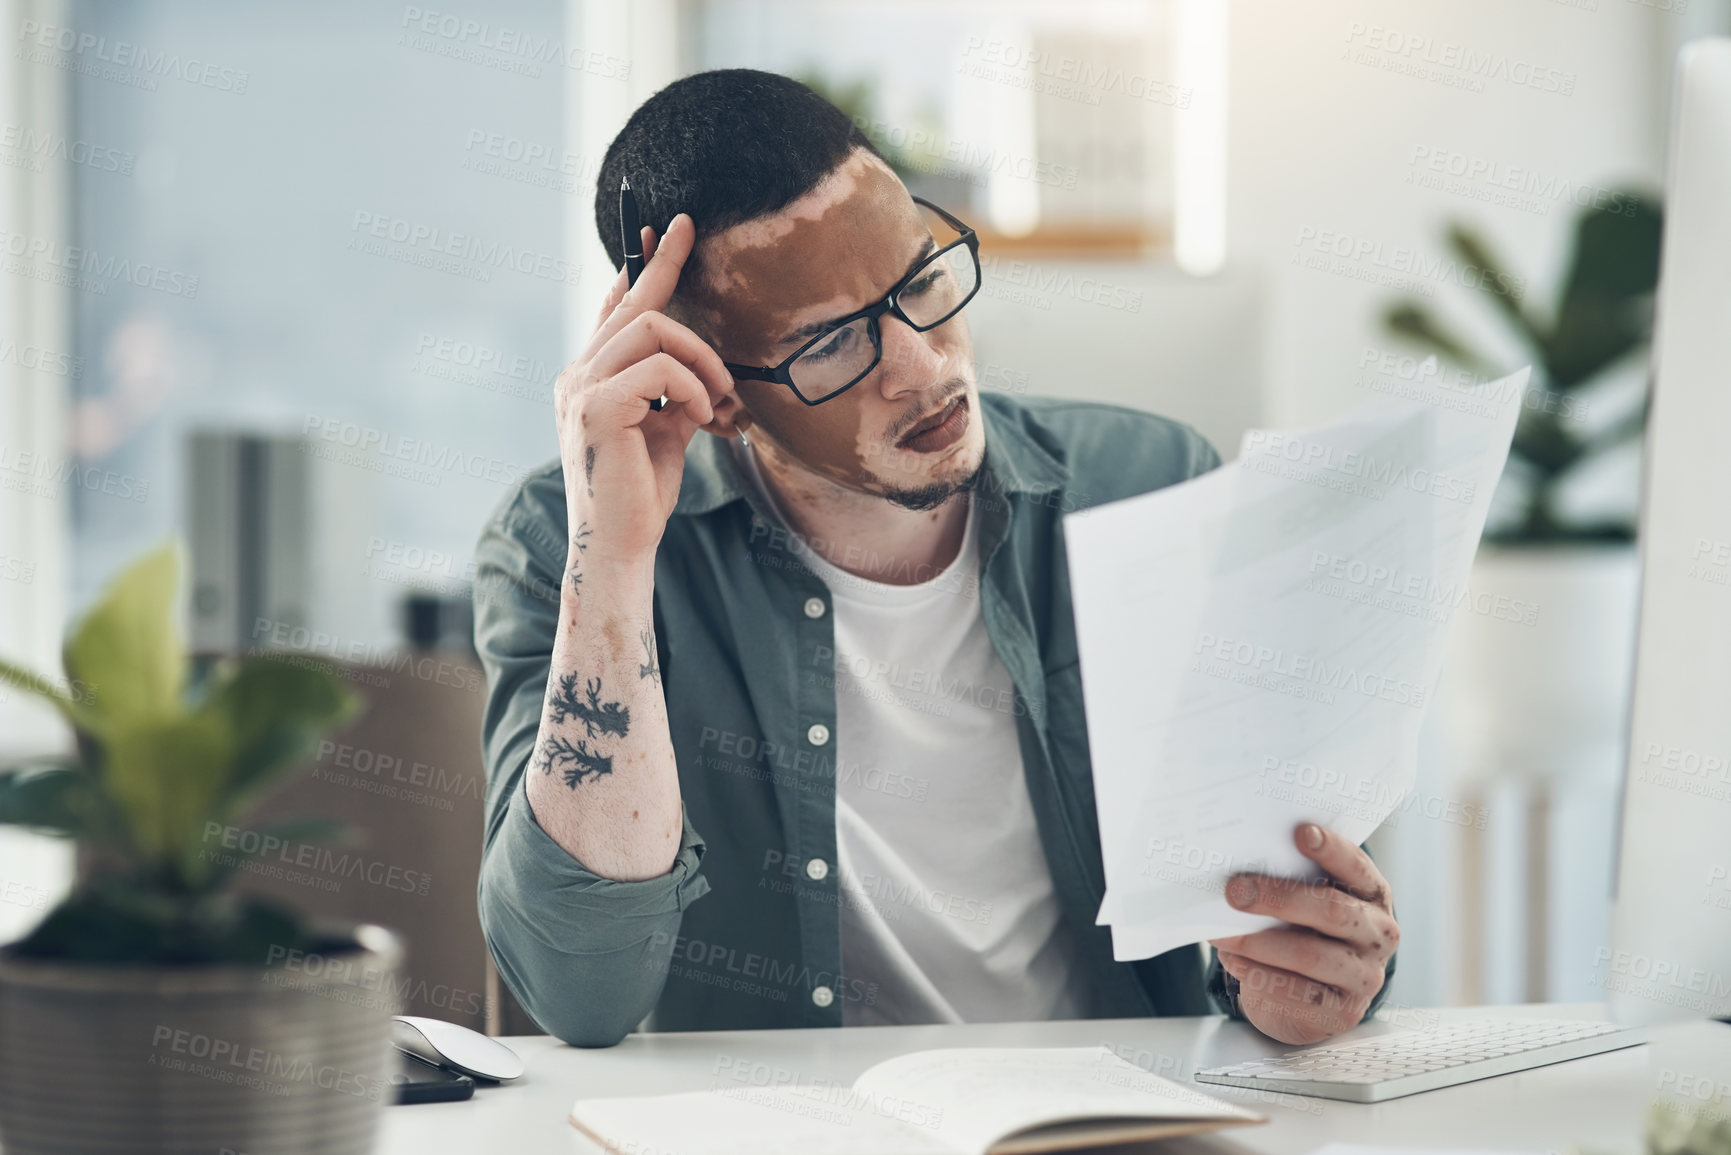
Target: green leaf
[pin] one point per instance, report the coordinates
(71, 702)
(1606, 310)
(1498, 282)
(127, 651)
(167, 775)
(55, 799)
(276, 712)
(1617, 250)
(1416, 323)
(1546, 441)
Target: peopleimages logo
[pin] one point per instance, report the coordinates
(227, 1061)
(90, 270)
(1299, 675)
(1429, 58)
(1376, 256)
(712, 964)
(432, 242)
(1049, 282)
(1661, 980)
(1378, 472)
(37, 145)
(251, 848)
(464, 37)
(92, 51)
(1414, 594)
(381, 447)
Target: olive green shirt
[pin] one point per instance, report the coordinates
(739, 933)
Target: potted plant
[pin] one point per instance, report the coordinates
(1603, 316)
(1533, 698)
(156, 1009)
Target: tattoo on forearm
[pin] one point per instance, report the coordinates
(589, 469)
(596, 715)
(648, 668)
(574, 572)
(578, 761)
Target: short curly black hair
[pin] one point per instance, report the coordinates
(726, 147)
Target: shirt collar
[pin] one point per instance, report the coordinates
(1015, 461)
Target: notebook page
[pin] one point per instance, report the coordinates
(809, 1120)
(991, 1092)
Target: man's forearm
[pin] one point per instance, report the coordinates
(602, 780)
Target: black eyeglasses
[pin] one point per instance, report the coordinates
(843, 355)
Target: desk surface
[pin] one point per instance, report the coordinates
(1597, 1104)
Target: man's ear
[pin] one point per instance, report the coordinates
(732, 418)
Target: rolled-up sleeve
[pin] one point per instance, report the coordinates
(586, 956)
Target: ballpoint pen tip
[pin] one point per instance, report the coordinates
(624, 184)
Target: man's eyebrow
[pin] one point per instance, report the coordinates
(806, 332)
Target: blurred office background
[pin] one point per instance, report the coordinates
(293, 281)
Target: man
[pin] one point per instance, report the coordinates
(785, 721)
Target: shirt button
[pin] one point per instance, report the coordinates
(817, 869)
(818, 734)
(814, 607)
(822, 996)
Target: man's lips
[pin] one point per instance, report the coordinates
(932, 422)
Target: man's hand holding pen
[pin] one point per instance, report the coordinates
(623, 459)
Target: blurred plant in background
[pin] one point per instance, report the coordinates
(859, 100)
(1603, 315)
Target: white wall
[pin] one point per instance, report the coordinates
(1162, 341)
(1322, 143)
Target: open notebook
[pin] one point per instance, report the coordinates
(959, 1101)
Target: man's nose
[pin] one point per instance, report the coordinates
(909, 364)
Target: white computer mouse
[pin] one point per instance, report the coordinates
(458, 1048)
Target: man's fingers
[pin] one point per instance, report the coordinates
(655, 285)
(1277, 983)
(660, 374)
(661, 271)
(651, 333)
(1312, 956)
(1345, 861)
(1319, 906)
(1288, 1006)
(616, 291)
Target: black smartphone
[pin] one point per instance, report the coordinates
(418, 1081)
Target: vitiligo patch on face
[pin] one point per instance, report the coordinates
(838, 248)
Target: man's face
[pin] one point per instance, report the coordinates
(767, 283)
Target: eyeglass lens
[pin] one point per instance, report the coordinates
(937, 290)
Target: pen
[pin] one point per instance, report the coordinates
(631, 242)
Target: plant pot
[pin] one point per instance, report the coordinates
(1540, 662)
(255, 1061)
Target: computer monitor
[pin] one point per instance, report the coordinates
(1670, 954)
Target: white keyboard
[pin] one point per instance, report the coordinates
(1390, 1066)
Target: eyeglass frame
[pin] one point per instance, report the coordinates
(782, 374)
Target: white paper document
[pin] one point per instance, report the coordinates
(1259, 645)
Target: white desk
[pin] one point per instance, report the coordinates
(1597, 1104)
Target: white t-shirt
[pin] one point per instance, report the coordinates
(947, 902)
